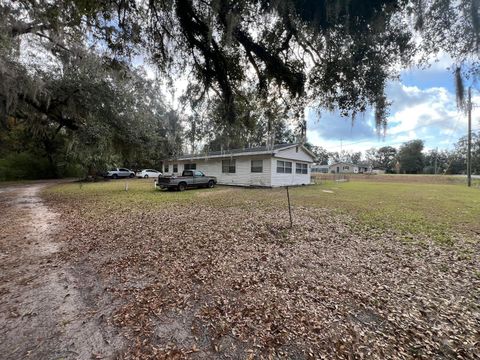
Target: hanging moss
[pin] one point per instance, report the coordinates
(459, 88)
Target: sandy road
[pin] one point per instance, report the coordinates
(44, 307)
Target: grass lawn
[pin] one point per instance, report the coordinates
(414, 210)
(376, 269)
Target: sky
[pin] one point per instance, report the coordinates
(423, 107)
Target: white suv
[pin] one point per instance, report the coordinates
(120, 172)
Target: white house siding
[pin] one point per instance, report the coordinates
(242, 176)
(351, 168)
(342, 168)
(295, 153)
(279, 179)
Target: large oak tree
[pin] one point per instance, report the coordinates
(324, 53)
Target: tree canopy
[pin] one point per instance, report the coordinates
(67, 103)
(332, 53)
(410, 157)
(72, 65)
(329, 53)
(383, 158)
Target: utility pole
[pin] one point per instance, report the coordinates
(469, 139)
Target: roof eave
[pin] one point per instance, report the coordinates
(312, 155)
(206, 157)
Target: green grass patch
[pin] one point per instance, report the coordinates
(433, 210)
(412, 210)
(122, 193)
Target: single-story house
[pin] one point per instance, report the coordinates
(278, 165)
(349, 168)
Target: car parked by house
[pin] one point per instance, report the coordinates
(148, 173)
(189, 179)
(116, 173)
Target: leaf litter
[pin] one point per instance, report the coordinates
(202, 281)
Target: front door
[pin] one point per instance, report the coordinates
(338, 169)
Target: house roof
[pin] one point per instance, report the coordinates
(259, 150)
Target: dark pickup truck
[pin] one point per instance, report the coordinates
(189, 179)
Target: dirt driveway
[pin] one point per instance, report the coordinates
(44, 312)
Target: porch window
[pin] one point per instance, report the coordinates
(301, 168)
(228, 166)
(256, 166)
(166, 167)
(190, 166)
(284, 167)
(175, 168)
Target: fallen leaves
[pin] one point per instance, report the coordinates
(238, 282)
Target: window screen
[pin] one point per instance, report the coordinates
(228, 166)
(256, 166)
(284, 167)
(301, 168)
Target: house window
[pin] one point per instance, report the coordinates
(256, 166)
(228, 166)
(301, 168)
(284, 167)
(166, 167)
(190, 167)
(346, 168)
(175, 168)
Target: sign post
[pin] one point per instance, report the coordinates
(289, 208)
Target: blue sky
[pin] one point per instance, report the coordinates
(423, 107)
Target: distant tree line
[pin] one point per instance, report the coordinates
(409, 158)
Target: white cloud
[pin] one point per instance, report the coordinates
(429, 114)
(414, 108)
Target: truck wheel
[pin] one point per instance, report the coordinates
(211, 184)
(182, 186)
(114, 176)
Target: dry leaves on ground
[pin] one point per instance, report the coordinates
(199, 281)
